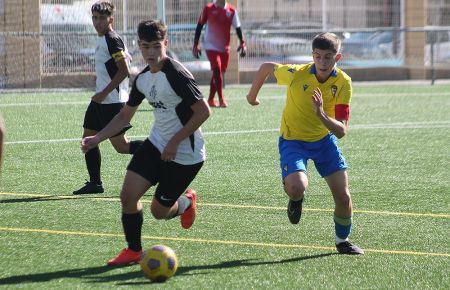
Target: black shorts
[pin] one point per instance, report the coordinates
(99, 115)
(172, 178)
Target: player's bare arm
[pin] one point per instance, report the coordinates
(201, 113)
(261, 75)
(113, 127)
(122, 72)
(337, 127)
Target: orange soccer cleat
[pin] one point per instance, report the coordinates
(126, 257)
(188, 217)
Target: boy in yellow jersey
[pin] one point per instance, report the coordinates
(316, 114)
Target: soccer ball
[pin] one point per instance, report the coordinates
(159, 263)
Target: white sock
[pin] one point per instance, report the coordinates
(339, 240)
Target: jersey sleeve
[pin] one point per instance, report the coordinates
(136, 97)
(186, 87)
(116, 47)
(236, 21)
(204, 16)
(342, 107)
(284, 73)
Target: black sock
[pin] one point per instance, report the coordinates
(93, 163)
(134, 145)
(132, 226)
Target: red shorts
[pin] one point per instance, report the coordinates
(218, 59)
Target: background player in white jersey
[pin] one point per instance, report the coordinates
(173, 153)
(219, 17)
(111, 92)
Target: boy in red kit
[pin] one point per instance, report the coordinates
(219, 16)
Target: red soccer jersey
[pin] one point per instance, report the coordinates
(219, 21)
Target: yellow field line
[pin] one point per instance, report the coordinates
(223, 242)
(58, 197)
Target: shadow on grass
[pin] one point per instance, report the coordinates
(45, 277)
(93, 274)
(55, 198)
(34, 199)
(204, 269)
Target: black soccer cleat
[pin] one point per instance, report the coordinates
(90, 187)
(349, 249)
(294, 211)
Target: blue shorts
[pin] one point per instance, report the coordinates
(325, 153)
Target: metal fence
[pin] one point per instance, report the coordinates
(375, 33)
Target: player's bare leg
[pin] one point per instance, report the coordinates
(338, 183)
(123, 145)
(295, 185)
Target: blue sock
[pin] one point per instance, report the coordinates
(342, 226)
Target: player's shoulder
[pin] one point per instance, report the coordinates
(112, 35)
(343, 74)
(140, 75)
(293, 68)
(230, 7)
(174, 67)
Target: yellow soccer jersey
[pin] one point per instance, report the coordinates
(299, 120)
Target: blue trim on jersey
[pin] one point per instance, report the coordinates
(313, 70)
(327, 157)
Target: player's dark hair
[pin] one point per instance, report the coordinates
(103, 8)
(151, 30)
(327, 41)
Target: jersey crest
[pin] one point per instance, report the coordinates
(305, 87)
(334, 90)
(152, 94)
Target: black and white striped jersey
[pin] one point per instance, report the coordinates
(109, 49)
(171, 92)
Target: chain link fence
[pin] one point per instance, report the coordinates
(41, 39)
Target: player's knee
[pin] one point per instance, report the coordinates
(157, 213)
(343, 199)
(128, 202)
(295, 191)
(122, 150)
(122, 147)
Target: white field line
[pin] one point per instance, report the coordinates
(43, 104)
(402, 125)
(242, 98)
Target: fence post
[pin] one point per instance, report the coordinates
(232, 74)
(161, 10)
(22, 52)
(415, 16)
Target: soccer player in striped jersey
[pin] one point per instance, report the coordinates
(174, 152)
(219, 17)
(316, 114)
(111, 93)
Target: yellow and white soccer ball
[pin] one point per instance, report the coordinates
(159, 263)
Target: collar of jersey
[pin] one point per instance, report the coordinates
(313, 70)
